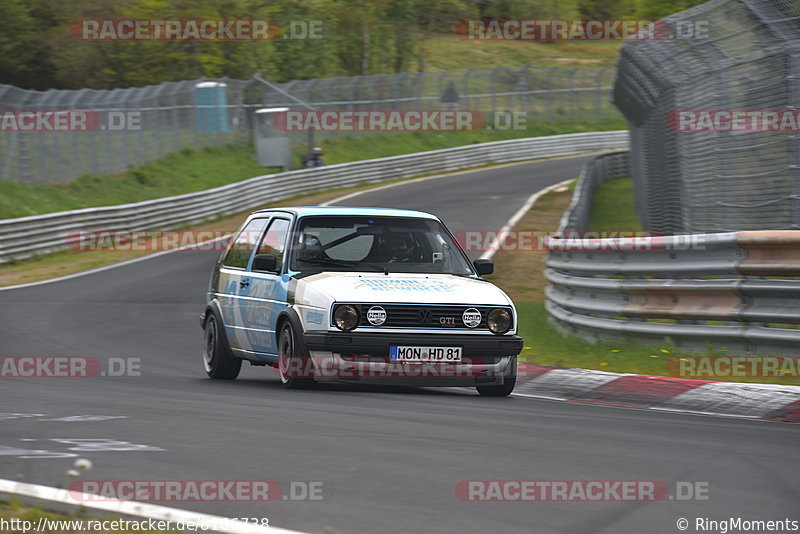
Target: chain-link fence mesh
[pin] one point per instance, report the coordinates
(715, 181)
(201, 113)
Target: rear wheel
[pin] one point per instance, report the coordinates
(294, 369)
(504, 389)
(218, 361)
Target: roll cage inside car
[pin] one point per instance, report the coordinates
(420, 238)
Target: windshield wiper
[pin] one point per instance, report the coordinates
(345, 263)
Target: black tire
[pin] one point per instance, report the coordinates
(218, 361)
(294, 369)
(504, 389)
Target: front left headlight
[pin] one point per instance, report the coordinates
(346, 317)
(499, 320)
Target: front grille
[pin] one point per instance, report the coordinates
(424, 316)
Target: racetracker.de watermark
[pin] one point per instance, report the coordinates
(194, 29)
(379, 120)
(95, 526)
(444, 365)
(545, 240)
(153, 240)
(69, 120)
(734, 366)
(580, 491)
(68, 367)
(580, 29)
(734, 121)
(196, 490)
(574, 241)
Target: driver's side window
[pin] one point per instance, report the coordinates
(274, 241)
(239, 254)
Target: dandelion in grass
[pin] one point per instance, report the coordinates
(614, 350)
(603, 364)
(654, 355)
(665, 351)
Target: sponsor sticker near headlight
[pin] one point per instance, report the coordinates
(376, 315)
(471, 317)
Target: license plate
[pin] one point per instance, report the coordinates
(425, 354)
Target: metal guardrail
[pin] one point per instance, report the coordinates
(738, 290)
(23, 237)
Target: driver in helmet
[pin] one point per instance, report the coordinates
(399, 247)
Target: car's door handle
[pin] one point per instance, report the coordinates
(244, 283)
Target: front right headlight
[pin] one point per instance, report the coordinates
(499, 320)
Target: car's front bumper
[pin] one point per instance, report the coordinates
(363, 358)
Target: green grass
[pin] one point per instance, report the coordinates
(545, 345)
(190, 170)
(353, 148)
(613, 207)
(180, 172)
(16, 509)
(454, 53)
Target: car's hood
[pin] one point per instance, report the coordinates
(398, 287)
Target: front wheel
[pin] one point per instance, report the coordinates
(504, 389)
(294, 369)
(217, 359)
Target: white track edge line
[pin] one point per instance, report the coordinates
(112, 266)
(147, 510)
(520, 213)
(354, 194)
(655, 408)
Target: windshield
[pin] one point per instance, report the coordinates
(371, 244)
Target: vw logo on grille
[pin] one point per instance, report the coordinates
(424, 316)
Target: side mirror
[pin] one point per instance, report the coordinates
(483, 266)
(266, 263)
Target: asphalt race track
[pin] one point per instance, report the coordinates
(388, 459)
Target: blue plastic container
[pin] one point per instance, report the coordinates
(208, 119)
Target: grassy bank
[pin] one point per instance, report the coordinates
(190, 170)
(453, 53)
(181, 172)
(354, 148)
(613, 207)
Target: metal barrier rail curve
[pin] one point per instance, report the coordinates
(735, 291)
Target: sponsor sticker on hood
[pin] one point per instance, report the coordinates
(405, 284)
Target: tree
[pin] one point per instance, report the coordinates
(361, 37)
(17, 44)
(658, 9)
(606, 9)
